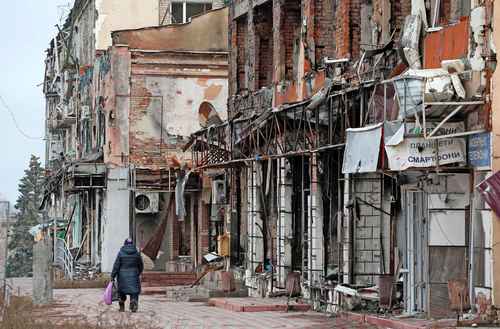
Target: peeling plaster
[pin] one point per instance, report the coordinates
(212, 92)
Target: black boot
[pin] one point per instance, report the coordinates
(134, 305)
(122, 306)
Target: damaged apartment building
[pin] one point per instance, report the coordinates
(125, 84)
(357, 133)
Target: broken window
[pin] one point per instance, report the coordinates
(182, 11)
(263, 20)
(290, 29)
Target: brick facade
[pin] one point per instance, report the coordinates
(348, 29)
(291, 32)
(401, 9)
(240, 47)
(324, 29)
(264, 43)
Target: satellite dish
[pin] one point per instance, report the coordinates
(208, 116)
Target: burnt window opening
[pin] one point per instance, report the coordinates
(183, 11)
(241, 39)
(301, 180)
(185, 231)
(263, 21)
(290, 29)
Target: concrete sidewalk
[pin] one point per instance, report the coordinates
(164, 312)
(396, 323)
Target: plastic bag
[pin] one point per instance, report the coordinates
(108, 294)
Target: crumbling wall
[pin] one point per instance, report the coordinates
(324, 29)
(240, 48)
(400, 10)
(348, 29)
(117, 107)
(290, 29)
(83, 37)
(263, 19)
(166, 92)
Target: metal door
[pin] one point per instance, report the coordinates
(415, 253)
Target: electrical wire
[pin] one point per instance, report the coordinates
(16, 123)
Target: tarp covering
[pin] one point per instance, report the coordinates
(362, 149)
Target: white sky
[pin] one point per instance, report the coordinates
(26, 28)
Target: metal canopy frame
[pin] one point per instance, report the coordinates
(459, 107)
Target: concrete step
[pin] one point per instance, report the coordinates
(258, 305)
(154, 291)
(167, 279)
(204, 292)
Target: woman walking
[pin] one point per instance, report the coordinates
(128, 268)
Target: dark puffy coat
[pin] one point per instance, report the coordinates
(128, 268)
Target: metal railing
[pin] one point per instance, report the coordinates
(64, 258)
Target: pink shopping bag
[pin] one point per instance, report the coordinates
(108, 294)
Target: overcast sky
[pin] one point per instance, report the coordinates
(26, 27)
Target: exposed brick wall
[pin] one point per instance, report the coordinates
(355, 13)
(290, 30)
(401, 9)
(324, 29)
(143, 151)
(240, 45)
(343, 33)
(263, 19)
(233, 58)
(251, 53)
(278, 42)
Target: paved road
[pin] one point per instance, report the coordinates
(161, 312)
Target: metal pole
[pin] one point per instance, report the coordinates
(54, 253)
(6, 252)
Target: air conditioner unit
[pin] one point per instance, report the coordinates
(219, 192)
(147, 203)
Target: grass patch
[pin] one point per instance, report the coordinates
(22, 314)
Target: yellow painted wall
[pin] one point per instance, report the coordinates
(116, 15)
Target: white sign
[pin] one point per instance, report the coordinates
(418, 152)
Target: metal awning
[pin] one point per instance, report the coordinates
(362, 150)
